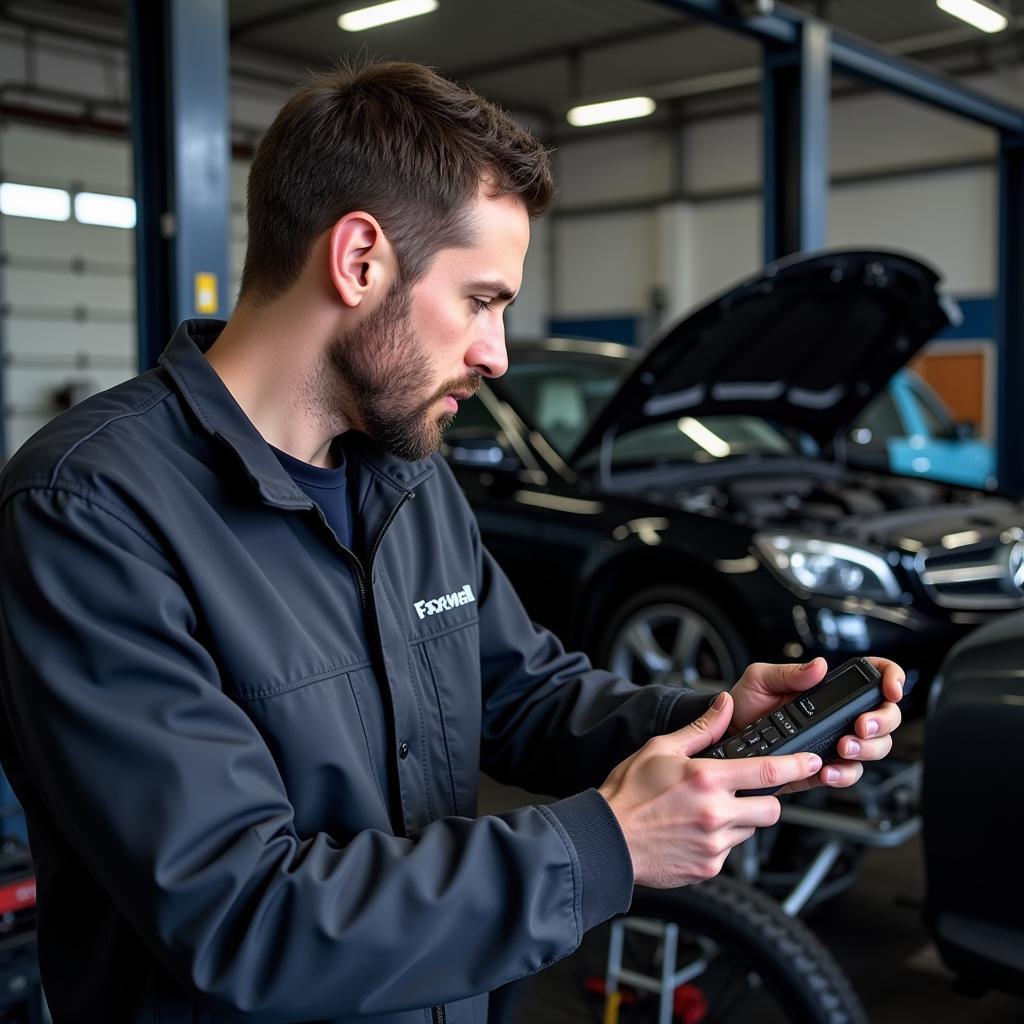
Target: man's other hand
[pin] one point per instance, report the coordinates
(763, 688)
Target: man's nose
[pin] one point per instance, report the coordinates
(488, 355)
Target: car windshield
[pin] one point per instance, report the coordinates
(937, 417)
(562, 393)
(695, 440)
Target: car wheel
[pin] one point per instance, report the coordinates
(673, 635)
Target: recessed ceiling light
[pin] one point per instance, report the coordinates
(612, 110)
(982, 14)
(107, 211)
(384, 14)
(33, 201)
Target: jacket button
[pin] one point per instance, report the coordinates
(403, 751)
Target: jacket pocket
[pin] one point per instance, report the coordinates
(449, 669)
(326, 737)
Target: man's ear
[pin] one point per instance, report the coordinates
(362, 262)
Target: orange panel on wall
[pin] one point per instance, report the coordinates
(959, 379)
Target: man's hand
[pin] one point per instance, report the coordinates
(763, 688)
(681, 817)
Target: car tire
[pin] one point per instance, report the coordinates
(754, 934)
(672, 634)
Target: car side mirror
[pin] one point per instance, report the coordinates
(480, 451)
(966, 431)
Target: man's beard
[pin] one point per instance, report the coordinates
(375, 374)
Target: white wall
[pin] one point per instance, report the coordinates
(528, 318)
(869, 132)
(949, 219)
(608, 168)
(604, 265)
(948, 216)
(722, 154)
(67, 288)
(727, 243)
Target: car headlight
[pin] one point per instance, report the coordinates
(826, 567)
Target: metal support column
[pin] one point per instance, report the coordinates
(796, 92)
(1010, 316)
(179, 54)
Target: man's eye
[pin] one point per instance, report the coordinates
(479, 305)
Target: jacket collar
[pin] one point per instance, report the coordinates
(221, 416)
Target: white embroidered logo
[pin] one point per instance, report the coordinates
(445, 602)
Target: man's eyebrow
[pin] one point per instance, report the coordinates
(498, 288)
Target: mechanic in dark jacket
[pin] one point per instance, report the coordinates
(255, 653)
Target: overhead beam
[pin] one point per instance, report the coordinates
(865, 61)
(566, 50)
(287, 13)
(779, 28)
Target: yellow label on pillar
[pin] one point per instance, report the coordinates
(206, 293)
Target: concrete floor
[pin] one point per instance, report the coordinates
(873, 929)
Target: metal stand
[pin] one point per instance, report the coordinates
(664, 985)
(884, 814)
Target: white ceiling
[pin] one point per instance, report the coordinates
(538, 56)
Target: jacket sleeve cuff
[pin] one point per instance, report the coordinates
(605, 865)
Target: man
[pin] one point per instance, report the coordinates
(255, 653)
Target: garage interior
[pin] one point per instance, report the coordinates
(775, 129)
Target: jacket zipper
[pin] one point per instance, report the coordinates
(439, 1014)
(361, 572)
(380, 534)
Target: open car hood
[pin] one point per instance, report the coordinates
(806, 343)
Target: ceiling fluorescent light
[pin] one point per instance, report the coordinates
(384, 14)
(612, 110)
(108, 211)
(982, 14)
(32, 201)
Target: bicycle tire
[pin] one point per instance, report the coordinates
(790, 960)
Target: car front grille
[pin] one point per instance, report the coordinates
(988, 574)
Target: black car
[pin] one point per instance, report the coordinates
(683, 511)
(974, 903)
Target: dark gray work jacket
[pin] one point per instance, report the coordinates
(248, 756)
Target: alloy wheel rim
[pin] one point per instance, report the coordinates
(675, 645)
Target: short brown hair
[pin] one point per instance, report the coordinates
(394, 139)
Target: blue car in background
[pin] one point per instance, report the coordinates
(909, 430)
